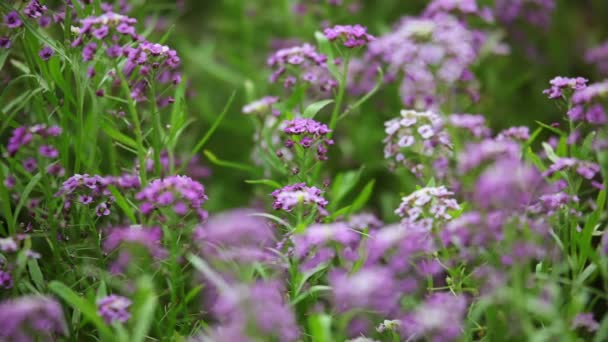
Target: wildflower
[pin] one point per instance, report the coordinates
(30, 318)
(124, 239)
(466, 7)
(95, 187)
(311, 66)
(12, 20)
(236, 235)
(180, 192)
(290, 196)
(260, 106)
(598, 56)
(559, 84)
(417, 133)
(440, 316)
(486, 151)
(518, 133)
(316, 244)
(585, 169)
(257, 309)
(535, 12)
(48, 151)
(34, 9)
(508, 184)
(308, 133)
(587, 105)
(370, 288)
(351, 36)
(46, 53)
(425, 54)
(5, 43)
(474, 124)
(427, 205)
(6, 280)
(585, 320)
(114, 308)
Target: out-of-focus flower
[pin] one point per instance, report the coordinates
(12, 20)
(114, 308)
(440, 318)
(261, 106)
(473, 123)
(317, 243)
(30, 318)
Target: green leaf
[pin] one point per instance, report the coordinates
(268, 182)
(36, 274)
(85, 307)
(143, 311)
(363, 197)
(117, 135)
(25, 195)
(123, 204)
(314, 108)
(550, 153)
(228, 164)
(320, 328)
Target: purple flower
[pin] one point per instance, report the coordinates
(290, 196)
(5, 43)
(441, 317)
(419, 132)
(30, 318)
(586, 169)
(585, 320)
(475, 155)
(351, 36)
(535, 12)
(125, 240)
(308, 132)
(114, 308)
(20, 137)
(425, 54)
(236, 235)
(34, 9)
(312, 67)
(257, 309)
(559, 84)
(186, 194)
(428, 205)
(46, 53)
(30, 164)
(48, 151)
(6, 281)
(599, 56)
(370, 288)
(508, 184)
(475, 124)
(88, 52)
(8, 245)
(518, 133)
(316, 245)
(12, 20)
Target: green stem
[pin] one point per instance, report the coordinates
(341, 90)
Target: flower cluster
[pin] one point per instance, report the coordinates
(534, 12)
(236, 235)
(415, 133)
(290, 196)
(316, 245)
(87, 190)
(308, 133)
(181, 193)
(114, 308)
(126, 239)
(440, 316)
(351, 36)
(428, 205)
(587, 106)
(472, 123)
(303, 61)
(598, 56)
(30, 318)
(426, 54)
(561, 84)
(583, 168)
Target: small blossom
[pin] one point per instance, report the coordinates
(351, 36)
(46, 53)
(290, 196)
(559, 84)
(34, 9)
(308, 132)
(180, 192)
(114, 308)
(30, 318)
(427, 205)
(585, 320)
(12, 20)
(5, 43)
